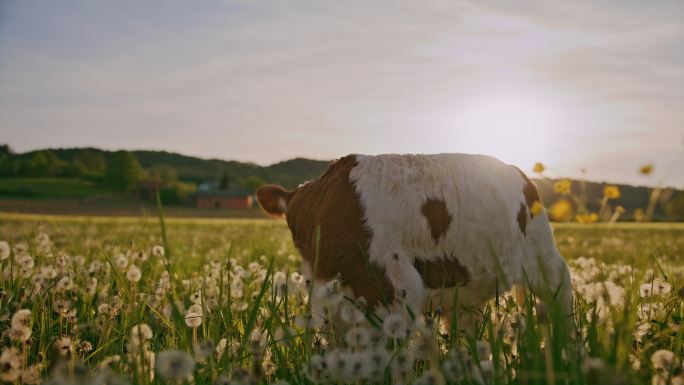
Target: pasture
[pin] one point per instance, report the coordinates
(125, 300)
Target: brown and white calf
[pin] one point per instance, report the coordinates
(416, 224)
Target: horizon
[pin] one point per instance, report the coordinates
(530, 173)
(561, 84)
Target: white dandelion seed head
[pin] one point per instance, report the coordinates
(174, 365)
(134, 274)
(395, 326)
(141, 333)
(21, 319)
(664, 359)
(357, 337)
(5, 250)
(193, 319)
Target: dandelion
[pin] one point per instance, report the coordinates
(42, 238)
(134, 274)
(351, 314)
(63, 346)
(174, 365)
(140, 334)
(611, 192)
(646, 169)
(21, 319)
(664, 359)
(586, 218)
(84, 347)
(537, 207)
(221, 348)
(357, 337)
(563, 186)
(395, 326)
(430, 377)
(484, 350)
(561, 210)
(538, 168)
(32, 374)
(4, 250)
(645, 290)
(10, 365)
(193, 319)
(660, 287)
(120, 261)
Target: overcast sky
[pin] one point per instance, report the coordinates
(575, 84)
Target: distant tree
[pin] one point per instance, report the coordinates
(252, 183)
(123, 171)
(89, 162)
(675, 207)
(224, 184)
(164, 173)
(38, 165)
(5, 150)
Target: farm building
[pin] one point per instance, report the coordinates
(224, 199)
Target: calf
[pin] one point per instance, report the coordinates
(412, 225)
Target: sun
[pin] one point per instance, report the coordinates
(517, 128)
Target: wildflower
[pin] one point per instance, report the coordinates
(10, 365)
(561, 210)
(221, 348)
(63, 346)
(357, 337)
(32, 374)
(395, 326)
(134, 274)
(660, 287)
(120, 261)
(430, 377)
(358, 367)
(664, 359)
(109, 361)
(141, 333)
(536, 208)
(158, 251)
(484, 350)
(586, 218)
(563, 186)
(42, 238)
(351, 314)
(193, 319)
(174, 365)
(4, 250)
(258, 341)
(538, 168)
(21, 319)
(611, 192)
(329, 294)
(645, 290)
(646, 169)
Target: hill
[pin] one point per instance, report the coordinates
(80, 173)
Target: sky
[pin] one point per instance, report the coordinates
(592, 88)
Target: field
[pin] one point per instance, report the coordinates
(123, 300)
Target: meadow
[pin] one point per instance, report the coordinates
(124, 300)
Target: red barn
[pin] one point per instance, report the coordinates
(224, 199)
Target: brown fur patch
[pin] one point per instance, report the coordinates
(438, 217)
(522, 218)
(331, 202)
(270, 197)
(530, 192)
(443, 272)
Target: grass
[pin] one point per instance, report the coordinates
(240, 277)
(50, 188)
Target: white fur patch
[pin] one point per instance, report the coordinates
(483, 197)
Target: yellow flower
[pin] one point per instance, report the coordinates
(539, 168)
(561, 210)
(586, 218)
(646, 169)
(563, 186)
(536, 208)
(611, 192)
(620, 209)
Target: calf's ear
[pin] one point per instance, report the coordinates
(273, 199)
